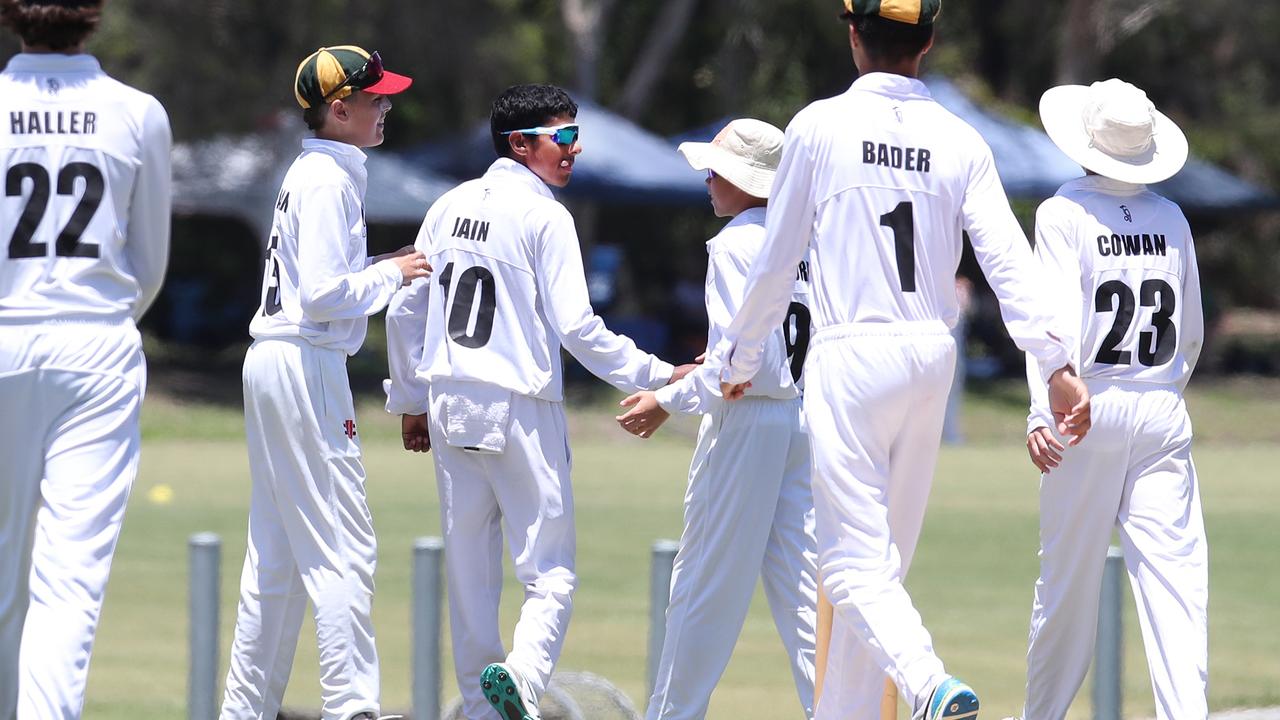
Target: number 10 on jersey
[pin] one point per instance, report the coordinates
(469, 318)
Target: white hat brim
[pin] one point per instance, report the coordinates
(1062, 112)
(750, 178)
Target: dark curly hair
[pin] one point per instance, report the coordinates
(524, 106)
(54, 24)
(888, 40)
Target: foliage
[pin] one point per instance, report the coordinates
(227, 66)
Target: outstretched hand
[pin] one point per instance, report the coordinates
(1070, 403)
(645, 416)
(413, 431)
(681, 371)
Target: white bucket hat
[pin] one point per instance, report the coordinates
(1111, 128)
(746, 153)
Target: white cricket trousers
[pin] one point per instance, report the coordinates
(748, 513)
(69, 442)
(1132, 471)
(525, 492)
(310, 536)
(875, 397)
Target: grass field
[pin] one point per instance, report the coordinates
(972, 578)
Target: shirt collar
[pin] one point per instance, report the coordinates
(505, 168)
(1109, 186)
(753, 215)
(343, 151)
(52, 63)
(893, 85)
(750, 216)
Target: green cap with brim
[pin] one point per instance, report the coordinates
(911, 12)
(327, 74)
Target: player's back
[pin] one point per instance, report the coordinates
(486, 319)
(73, 143)
(893, 171)
(1138, 286)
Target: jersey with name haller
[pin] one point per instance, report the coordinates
(1138, 300)
(84, 218)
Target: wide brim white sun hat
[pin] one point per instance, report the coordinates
(1113, 129)
(746, 153)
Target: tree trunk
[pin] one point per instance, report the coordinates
(662, 41)
(1078, 43)
(586, 20)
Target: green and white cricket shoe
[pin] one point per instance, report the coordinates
(951, 700)
(509, 693)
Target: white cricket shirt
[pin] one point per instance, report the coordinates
(877, 185)
(730, 254)
(1124, 267)
(319, 283)
(507, 291)
(84, 218)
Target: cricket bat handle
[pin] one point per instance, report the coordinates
(826, 615)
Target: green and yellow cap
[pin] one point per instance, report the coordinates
(911, 12)
(333, 73)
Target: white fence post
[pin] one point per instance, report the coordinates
(428, 594)
(205, 552)
(1108, 661)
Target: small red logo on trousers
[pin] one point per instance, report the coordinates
(350, 428)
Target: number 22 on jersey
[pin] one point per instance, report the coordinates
(43, 185)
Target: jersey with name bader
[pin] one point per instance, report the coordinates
(84, 219)
(877, 185)
(507, 291)
(1124, 268)
(318, 283)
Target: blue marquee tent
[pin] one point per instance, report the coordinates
(238, 177)
(621, 163)
(1032, 167)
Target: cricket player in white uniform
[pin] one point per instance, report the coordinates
(1127, 278)
(84, 242)
(476, 374)
(877, 185)
(749, 509)
(310, 532)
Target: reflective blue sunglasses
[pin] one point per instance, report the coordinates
(561, 134)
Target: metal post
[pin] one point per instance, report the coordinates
(205, 550)
(664, 557)
(1108, 670)
(428, 594)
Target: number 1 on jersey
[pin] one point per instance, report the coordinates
(902, 222)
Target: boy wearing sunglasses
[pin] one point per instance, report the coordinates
(310, 532)
(748, 511)
(476, 375)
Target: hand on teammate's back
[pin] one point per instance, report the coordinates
(645, 416)
(1069, 401)
(413, 431)
(412, 263)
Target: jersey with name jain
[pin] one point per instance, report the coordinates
(85, 220)
(508, 290)
(1137, 302)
